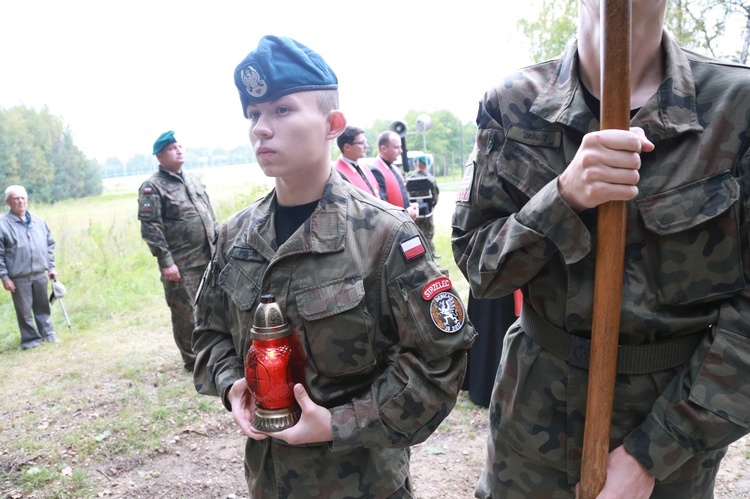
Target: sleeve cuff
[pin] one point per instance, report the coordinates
(549, 212)
(656, 449)
(166, 261)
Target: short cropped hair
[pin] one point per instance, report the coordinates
(328, 100)
(348, 136)
(385, 137)
(17, 189)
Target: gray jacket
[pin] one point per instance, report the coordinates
(25, 251)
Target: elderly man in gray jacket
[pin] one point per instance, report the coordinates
(26, 259)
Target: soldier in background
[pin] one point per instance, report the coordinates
(425, 220)
(525, 216)
(178, 224)
(382, 332)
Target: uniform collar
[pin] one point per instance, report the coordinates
(327, 224)
(668, 113)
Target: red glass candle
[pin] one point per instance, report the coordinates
(268, 368)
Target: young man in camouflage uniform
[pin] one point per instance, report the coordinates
(525, 217)
(178, 224)
(382, 332)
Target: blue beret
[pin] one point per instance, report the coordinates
(278, 67)
(163, 140)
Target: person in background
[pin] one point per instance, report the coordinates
(382, 334)
(426, 223)
(27, 261)
(526, 217)
(353, 146)
(390, 179)
(178, 225)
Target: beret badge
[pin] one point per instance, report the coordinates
(254, 80)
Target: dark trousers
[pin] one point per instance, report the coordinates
(180, 296)
(32, 309)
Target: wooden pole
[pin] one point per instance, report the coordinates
(610, 255)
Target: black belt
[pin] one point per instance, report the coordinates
(631, 359)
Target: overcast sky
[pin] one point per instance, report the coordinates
(120, 73)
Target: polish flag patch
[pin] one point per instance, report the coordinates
(412, 248)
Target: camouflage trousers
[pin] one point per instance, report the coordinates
(427, 226)
(537, 420)
(180, 296)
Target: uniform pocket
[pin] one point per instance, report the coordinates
(238, 285)
(338, 327)
(692, 240)
(719, 386)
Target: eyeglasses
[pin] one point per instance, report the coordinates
(360, 142)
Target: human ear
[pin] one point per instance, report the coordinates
(336, 124)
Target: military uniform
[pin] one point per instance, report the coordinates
(382, 333)
(178, 224)
(427, 224)
(686, 274)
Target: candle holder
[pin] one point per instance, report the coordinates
(268, 369)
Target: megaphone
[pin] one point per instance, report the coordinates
(399, 127)
(424, 122)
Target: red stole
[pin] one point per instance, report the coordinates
(392, 186)
(342, 166)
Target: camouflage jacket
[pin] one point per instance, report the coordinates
(383, 337)
(177, 221)
(687, 250)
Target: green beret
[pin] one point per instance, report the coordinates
(163, 140)
(278, 67)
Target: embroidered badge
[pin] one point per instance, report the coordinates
(412, 248)
(464, 190)
(539, 138)
(447, 312)
(254, 80)
(435, 286)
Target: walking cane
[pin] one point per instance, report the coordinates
(58, 291)
(610, 255)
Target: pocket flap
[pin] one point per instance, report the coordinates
(687, 206)
(330, 298)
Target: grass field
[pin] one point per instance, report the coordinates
(114, 387)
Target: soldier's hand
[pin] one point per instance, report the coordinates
(605, 168)
(9, 285)
(243, 408)
(314, 425)
(626, 478)
(171, 273)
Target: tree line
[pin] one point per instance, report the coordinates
(37, 151)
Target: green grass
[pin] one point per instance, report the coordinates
(114, 387)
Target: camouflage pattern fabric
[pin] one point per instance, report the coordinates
(180, 297)
(179, 225)
(687, 268)
(177, 220)
(376, 352)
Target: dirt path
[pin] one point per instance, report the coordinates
(206, 462)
